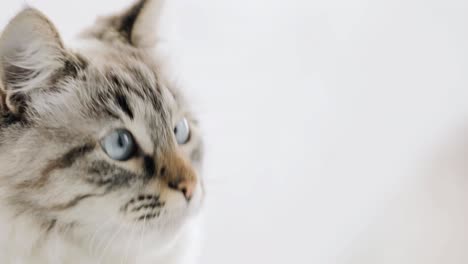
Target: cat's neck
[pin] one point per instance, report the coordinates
(24, 241)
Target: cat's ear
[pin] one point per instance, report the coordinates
(30, 52)
(137, 25)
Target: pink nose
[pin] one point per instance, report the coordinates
(178, 174)
(186, 187)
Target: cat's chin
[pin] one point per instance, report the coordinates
(156, 236)
(162, 233)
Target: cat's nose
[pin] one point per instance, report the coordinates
(179, 175)
(185, 187)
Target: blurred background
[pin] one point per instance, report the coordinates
(323, 118)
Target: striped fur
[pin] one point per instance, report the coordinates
(57, 185)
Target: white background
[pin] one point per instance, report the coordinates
(316, 112)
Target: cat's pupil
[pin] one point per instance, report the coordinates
(121, 141)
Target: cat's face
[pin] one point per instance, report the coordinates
(94, 142)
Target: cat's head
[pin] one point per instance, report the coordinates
(94, 141)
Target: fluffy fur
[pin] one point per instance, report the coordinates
(62, 199)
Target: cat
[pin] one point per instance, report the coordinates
(100, 156)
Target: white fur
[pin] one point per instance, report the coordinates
(22, 243)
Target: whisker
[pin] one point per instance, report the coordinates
(129, 242)
(140, 246)
(94, 235)
(107, 246)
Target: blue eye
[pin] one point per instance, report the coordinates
(119, 145)
(182, 131)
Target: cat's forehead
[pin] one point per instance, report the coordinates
(108, 61)
(115, 86)
(127, 72)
